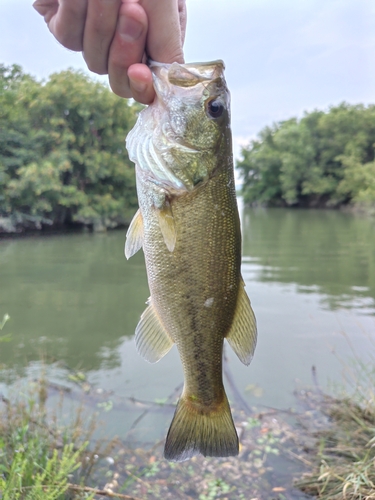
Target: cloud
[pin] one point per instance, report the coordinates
(281, 57)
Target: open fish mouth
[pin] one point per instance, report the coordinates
(189, 74)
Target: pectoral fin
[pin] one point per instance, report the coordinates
(167, 226)
(151, 338)
(134, 236)
(242, 336)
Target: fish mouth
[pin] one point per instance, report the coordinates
(166, 76)
(190, 74)
(177, 81)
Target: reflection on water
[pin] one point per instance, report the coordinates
(73, 296)
(75, 299)
(326, 252)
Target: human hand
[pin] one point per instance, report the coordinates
(116, 36)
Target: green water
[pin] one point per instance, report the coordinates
(75, 299)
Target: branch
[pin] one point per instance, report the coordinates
(104, 493)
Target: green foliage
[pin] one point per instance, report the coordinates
(26, 479)
(324, 159)
(215, 488)
(62, 152)
(36, 458)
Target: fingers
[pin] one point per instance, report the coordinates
(164, 39)
(183, 19)
(127, 48)
(166, 33)
(141, 86)
(100, 27)
(65, 19)
(116, 35)
(46, 8)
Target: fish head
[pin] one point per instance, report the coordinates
(180, 138)
(195, 101)
(193, 104)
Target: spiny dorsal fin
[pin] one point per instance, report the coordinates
(167, 226)
(151, 338)
(134, 235)
(242, 336)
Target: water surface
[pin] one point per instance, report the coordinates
(74, 299)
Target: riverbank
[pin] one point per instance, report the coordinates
(45, 230)
(321, 449)
(35, 439)
(342, 454)
(50, 448)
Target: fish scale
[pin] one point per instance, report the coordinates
(190, 235)
(172, 276)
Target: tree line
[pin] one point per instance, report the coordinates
(62, 152)
(63, 159)
(325, 159)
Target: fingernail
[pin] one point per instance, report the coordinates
(130, 29)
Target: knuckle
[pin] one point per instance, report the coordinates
(96, 69)
(119, 82)
(95, 66)
(120, 90)
(69, 42)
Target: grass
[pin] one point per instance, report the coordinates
(40, 459)
(36, 459)
(342, 454)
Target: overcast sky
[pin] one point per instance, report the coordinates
(282, 56)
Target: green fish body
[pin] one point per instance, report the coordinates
(189, 229)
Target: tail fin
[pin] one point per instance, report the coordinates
(191, 432)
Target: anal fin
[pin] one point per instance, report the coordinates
(134, 235)
(242, 336)
(151, 338)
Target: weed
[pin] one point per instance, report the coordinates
(38, 457)
(214, 489)
(344, 453)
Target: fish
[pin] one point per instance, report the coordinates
(189, 229)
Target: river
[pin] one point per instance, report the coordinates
(74, 302)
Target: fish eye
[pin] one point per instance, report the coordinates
(215, 108)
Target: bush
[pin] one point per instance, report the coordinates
(62, 152)
(325, 159)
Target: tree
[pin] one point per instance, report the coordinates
(324, 159)
(62, 153)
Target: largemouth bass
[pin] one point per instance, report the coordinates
(188, 226)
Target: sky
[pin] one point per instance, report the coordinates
(282, 57)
